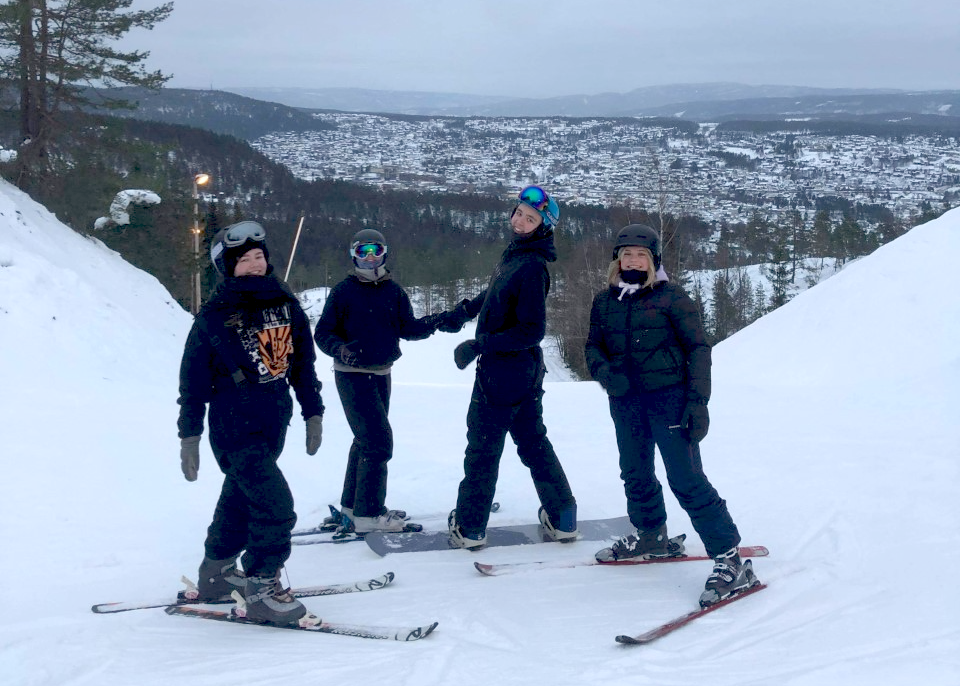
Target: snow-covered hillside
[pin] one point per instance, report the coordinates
(833, 439)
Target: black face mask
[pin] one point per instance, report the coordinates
(634, 276)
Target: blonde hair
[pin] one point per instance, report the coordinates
(614, 275)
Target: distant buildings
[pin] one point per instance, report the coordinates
(718, 176)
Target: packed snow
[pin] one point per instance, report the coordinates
(833, 440)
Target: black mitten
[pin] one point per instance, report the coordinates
(695, 420)
(465, 353)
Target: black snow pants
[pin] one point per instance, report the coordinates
(487, 427)
(642, 420)
(255, 511)
(366, 404)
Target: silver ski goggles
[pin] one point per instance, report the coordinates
(240, 233)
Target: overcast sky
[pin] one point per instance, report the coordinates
(555, 47)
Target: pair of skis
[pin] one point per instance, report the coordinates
(182, 605)
(656, 632)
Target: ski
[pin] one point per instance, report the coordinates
(325, 537)
(183, 597)
(516, 567)
(682, 621)
(349, 536)
(414, 633)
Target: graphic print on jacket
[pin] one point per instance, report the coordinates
(270, 346)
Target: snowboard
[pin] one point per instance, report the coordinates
(384, 543)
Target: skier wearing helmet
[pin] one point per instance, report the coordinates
(248, 345)
(363, 320)
(648, 349)
(508, 390)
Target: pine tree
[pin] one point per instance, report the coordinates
(822, 231)
(759, 302)
(820, 245)
(757, 238)
(723, 315)
(742, 297)
(779, 273)
(697, 295)
(801, 239)
(53, 49)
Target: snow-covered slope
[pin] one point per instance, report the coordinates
(833, 441)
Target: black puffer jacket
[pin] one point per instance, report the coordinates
(654, 337)
(256, 325)
(513, 319)
(373, 316)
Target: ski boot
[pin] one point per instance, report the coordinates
(566, 530)
(217, 579)
(645, 545)
(390, 520)
(463, 539)
(267, 601)
(730, 575)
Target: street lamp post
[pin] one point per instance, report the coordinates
(198, 180)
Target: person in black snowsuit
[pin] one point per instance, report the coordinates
(647, 348)
(363, 320)
(508, 389)
(247, 346)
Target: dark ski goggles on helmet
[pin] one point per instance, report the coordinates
(240, 233)
(536, 197)
(366, 250)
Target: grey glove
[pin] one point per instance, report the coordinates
(349, 353)
(465, 353)
(695, 420)
(190, 457)
(314, 434)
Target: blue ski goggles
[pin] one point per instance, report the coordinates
(536, 197)
(240, 233)
(368, 250)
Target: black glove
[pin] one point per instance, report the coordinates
(454, 320)
(614, 383)
(314, 434)
(190, 457)
(435, 320)
(349, 353)
(695, 420)
(465, 353)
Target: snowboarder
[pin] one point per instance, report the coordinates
(508, 389)
(363, 320)
(647, 348)
(247, 346)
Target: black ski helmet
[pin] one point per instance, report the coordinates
(368, 237)
(232, 242)
(642, 236)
